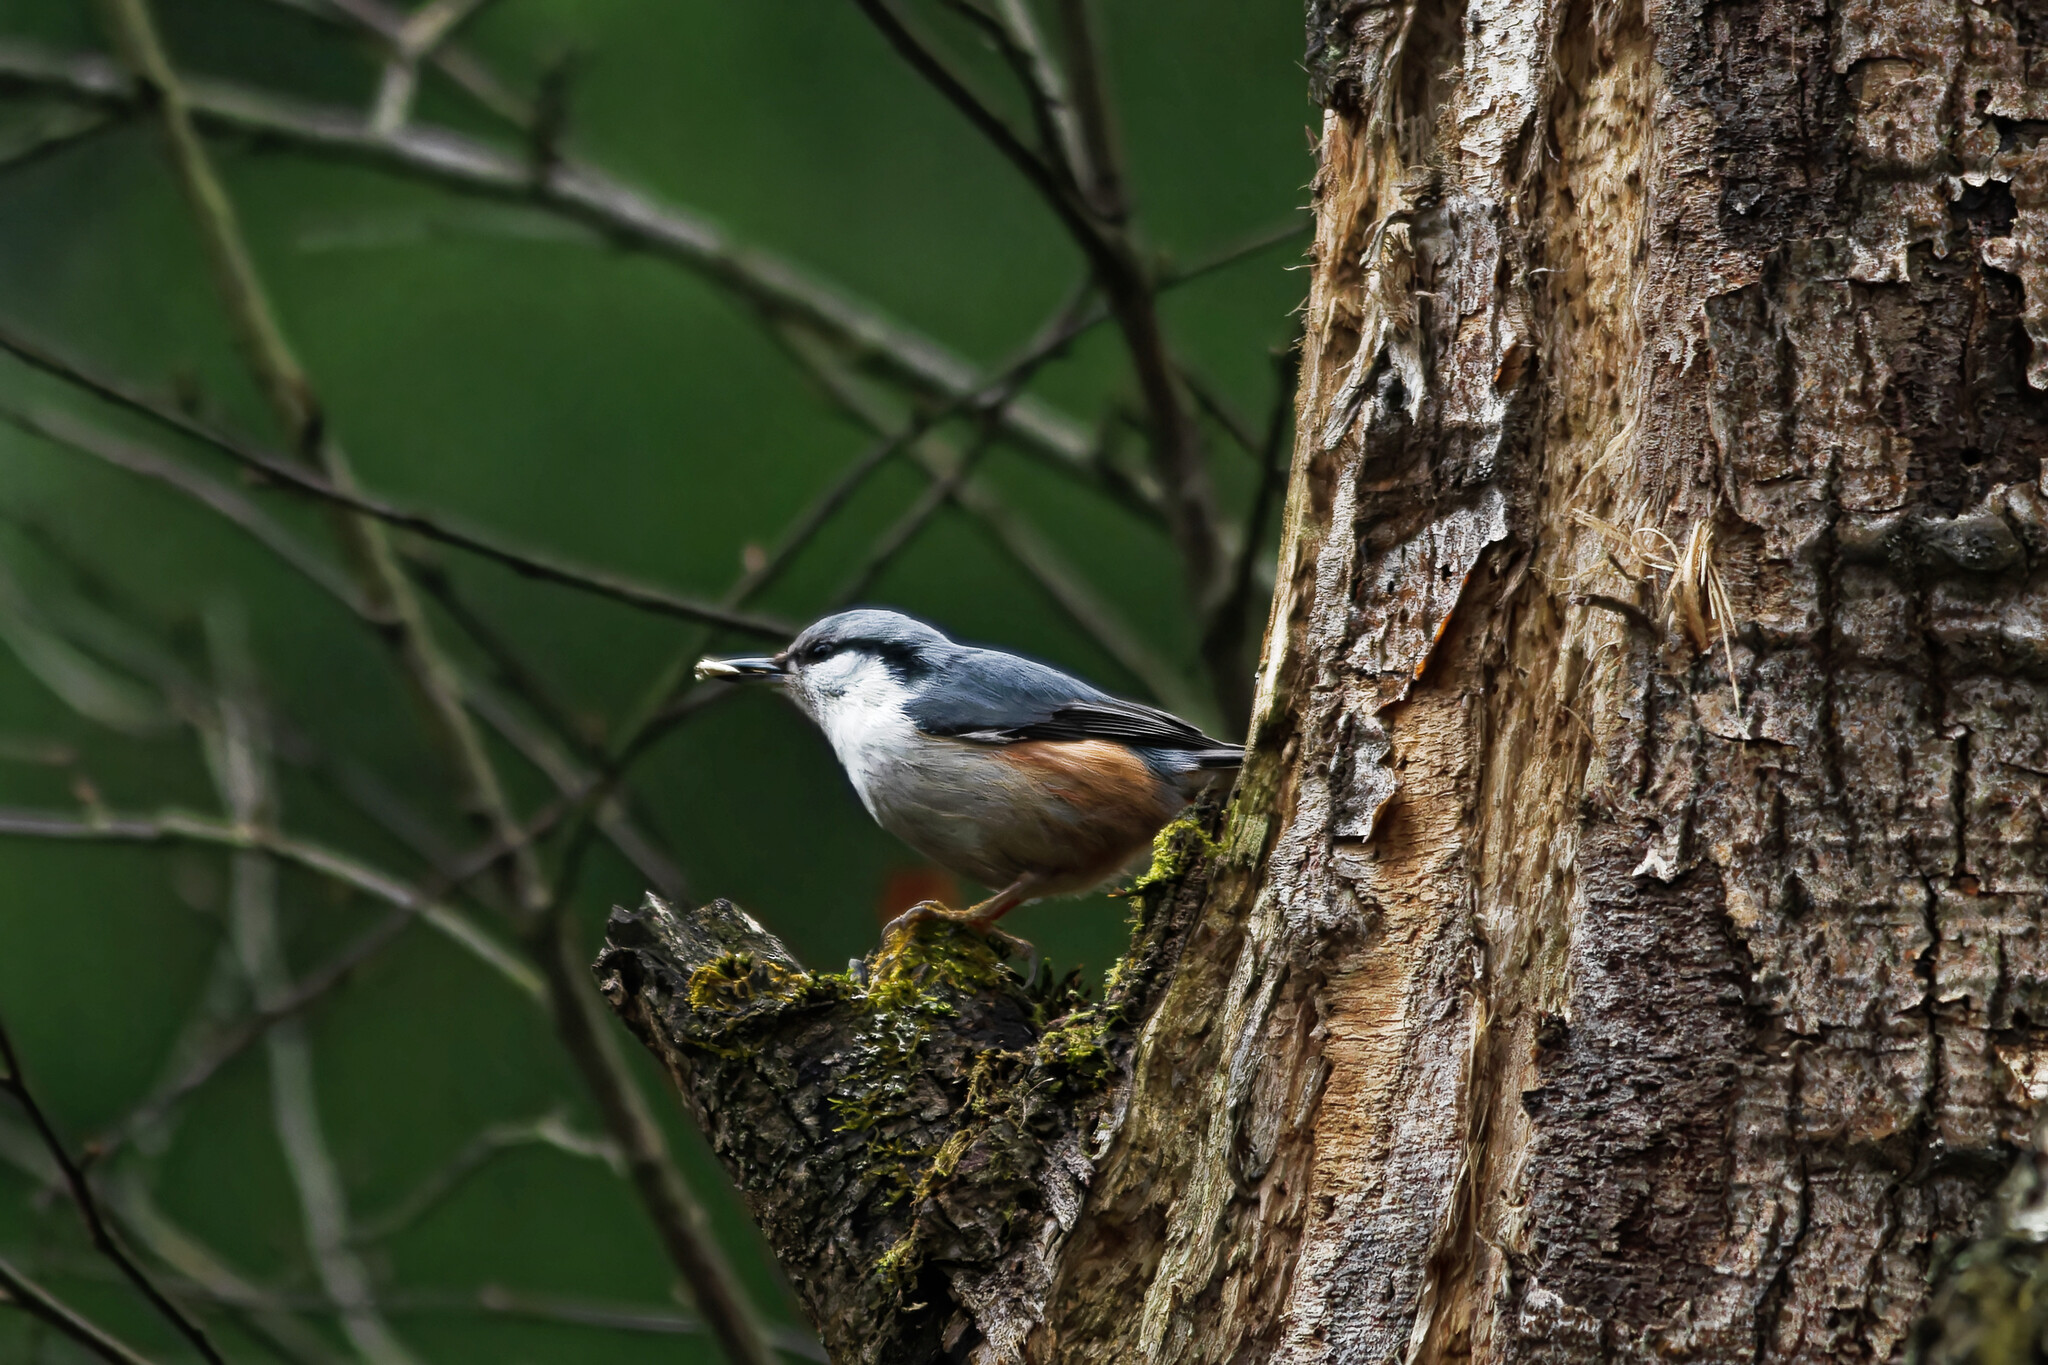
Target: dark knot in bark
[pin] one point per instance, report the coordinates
(914, 1135)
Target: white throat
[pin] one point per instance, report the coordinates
(858, 703)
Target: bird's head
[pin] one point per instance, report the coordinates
(852, 659)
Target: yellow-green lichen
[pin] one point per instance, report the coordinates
(737, 980)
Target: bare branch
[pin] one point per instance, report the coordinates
(925, 58)
(1223, 633)
(231, 1042)
(18, 1288)
(206, 1277)
(240, 750)
(62, 429)
(173, 826)
(387, 25)
(306, 482)
(625, 216)
(420, 34)
(1014, 32)
(894, 540)
(1298, 227)
(549, 1130)
(1064, 584)
(15, 1083)
(1096, 114)
(1123, 274)
(54, 135)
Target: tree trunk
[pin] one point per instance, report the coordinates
(1626, 939)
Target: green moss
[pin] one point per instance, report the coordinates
(1174, 850)
(1992, 1309)
(1076, 1052)
(933, 955)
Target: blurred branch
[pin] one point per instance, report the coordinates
(305, 481)
(1224, 632)
(388, 26)
(57, 135)
(1298, 227)
(1013, 30)
(1037, 556)
(418, 36)
(578, 785)
(62, 429)
(678, 1218)
(1050, 339)
(231, 1042)
(1104, 188)
(549, 1130)
(896, 538)
(229, 502)
(625, 216)
(929, 61)
(1122, 272)
(173, 826)
(205, 1276)
(18, 1288)
(1220, 411)
(684, 1228)
(15, 1083)
(241, 765)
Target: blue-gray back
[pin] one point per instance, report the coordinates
(998, 698)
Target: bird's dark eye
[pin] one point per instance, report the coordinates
(818, 652)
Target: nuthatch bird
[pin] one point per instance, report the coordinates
(993, 766)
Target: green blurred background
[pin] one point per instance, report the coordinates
(505, 365)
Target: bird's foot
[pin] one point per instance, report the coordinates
(928, 912)
(974, 919)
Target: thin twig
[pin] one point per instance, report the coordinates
(174, 826)
(897, 537)
(1068, 588)
(1124, 275)
(421, 33)
(1093, 109)
(549, 1130)
(1224, 632)
(1297, 227)
(233, 1041)
(15, 1083)
(386, 25)
(206, 1277)
(627, 218)
(57, 136)
(925, 58)
(302, 480)
(18, 1288)
(62, 429)
(1014, 32)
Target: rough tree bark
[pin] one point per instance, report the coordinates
(1626, 939)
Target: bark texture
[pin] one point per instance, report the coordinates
(1626, 940)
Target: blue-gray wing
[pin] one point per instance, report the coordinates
(995, 698)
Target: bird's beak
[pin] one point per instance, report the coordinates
(741, 670)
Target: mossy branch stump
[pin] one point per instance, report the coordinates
(915, 1135)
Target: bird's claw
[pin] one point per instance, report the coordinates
(1006, 945)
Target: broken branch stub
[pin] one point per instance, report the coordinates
(914, 1136)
